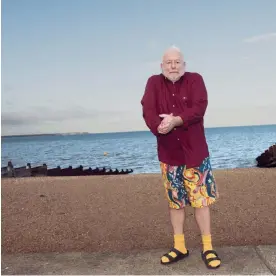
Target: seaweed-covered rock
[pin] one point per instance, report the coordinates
(268, 158)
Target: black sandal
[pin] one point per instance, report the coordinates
(207, 261)
(179, 256)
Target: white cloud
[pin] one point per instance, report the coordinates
(258, 38)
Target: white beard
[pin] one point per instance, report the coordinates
(174, 78)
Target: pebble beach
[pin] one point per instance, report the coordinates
(121, 213)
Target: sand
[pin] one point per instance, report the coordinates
(121, 213)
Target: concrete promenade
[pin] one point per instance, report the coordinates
(244, 260)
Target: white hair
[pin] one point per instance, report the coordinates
(173, 48)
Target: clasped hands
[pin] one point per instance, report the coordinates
(168, 123)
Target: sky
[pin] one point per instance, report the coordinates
(82, 66)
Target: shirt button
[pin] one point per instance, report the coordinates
(173, 105)
(174, 128)
(173, 94)
(178, 139)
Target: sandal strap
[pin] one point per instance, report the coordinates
(212, 259)
(209, 252)
(169, 257)
(176, 251)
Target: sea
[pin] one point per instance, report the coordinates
(230, 147)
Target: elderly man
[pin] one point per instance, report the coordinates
(174, 104)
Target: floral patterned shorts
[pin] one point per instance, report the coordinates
(193, 186)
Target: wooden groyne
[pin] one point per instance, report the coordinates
(29, 171)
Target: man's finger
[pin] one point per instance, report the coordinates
(164, 115)
(166, 129)
(162, 130)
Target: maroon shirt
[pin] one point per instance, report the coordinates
(187, 98)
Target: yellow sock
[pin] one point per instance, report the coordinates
(207, 245)
(179, 244)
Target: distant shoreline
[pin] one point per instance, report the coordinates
(99, 133)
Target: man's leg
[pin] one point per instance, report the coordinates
(175, 193)
(177, 217)
(203, 220)
(201, 185)
(202, 216)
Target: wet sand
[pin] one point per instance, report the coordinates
(120, 213)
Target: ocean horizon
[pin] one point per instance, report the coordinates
(230, 147)
(113, 132)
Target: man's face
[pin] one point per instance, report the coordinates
(173, 66)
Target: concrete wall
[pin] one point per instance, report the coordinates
(118, 213)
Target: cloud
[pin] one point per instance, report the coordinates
(39, 115)
(259, 38)
(47, 120)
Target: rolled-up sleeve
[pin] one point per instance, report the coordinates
(199, 102)
(149, 110)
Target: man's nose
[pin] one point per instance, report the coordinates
(173, 65)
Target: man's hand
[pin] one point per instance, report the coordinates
(168, 123)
